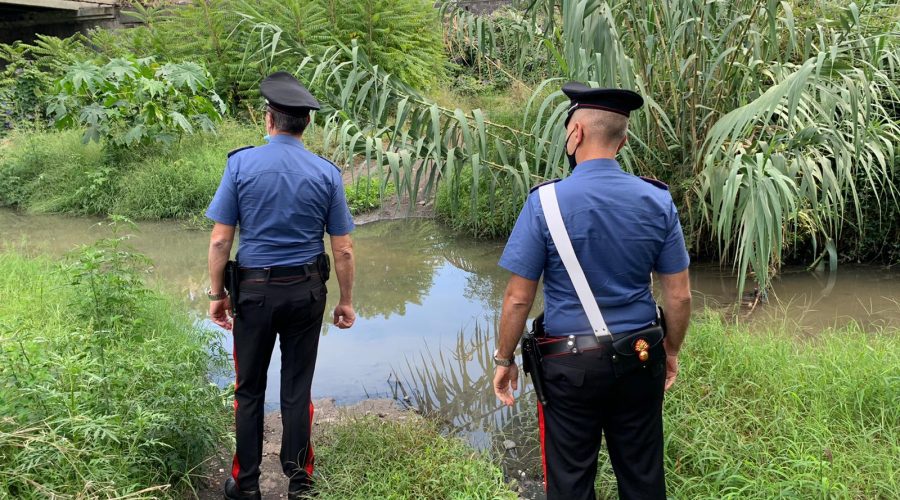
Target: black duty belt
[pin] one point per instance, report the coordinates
(572, 344)
(266, 273)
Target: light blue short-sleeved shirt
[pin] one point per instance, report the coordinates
(284, 198)
(622, 227)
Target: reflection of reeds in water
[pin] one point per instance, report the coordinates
(455, 387)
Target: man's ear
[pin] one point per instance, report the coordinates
(622, 143)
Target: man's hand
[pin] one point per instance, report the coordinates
(344, 316)
(506, 380)
(220, 312)
(671, 369)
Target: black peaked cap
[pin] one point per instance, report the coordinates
(285, 94)
(619, 101)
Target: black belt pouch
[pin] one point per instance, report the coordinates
(531, 358)
(626, 350)
(323, 263)
(232, 279)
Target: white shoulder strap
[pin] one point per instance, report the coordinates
(563, 244)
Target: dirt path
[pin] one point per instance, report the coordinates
(273, 482)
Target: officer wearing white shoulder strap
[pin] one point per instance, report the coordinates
(606, 352)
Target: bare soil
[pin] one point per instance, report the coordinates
(394, 207)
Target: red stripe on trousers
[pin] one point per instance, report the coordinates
(543, 441)
(310, 456)
(235, 465)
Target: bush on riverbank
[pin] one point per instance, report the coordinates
(55, 172)
(372, 458)
(103, 384)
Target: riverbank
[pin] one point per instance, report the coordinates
(104, 388)
(372, 449)
(55, 172)
(111, 395)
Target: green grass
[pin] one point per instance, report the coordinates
(371, 458)
(491, 215)
(365, 194)
(54, 172)
(757, 412)
(103, 384)
(769, 415)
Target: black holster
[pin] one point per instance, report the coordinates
(531, 358)
(232, 279)
(323, 263)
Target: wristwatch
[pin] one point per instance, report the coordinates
(498, 361)
(216, 296)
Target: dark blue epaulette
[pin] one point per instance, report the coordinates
(551, 181)
(238, 150)
(655, 182)
(329, 161)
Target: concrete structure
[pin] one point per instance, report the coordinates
(23, 19)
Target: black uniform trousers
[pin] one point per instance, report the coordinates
(292, 308)
(587, 401)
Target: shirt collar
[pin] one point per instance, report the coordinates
(286, 139)
(598, 164)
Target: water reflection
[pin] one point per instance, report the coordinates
(395, 267)
(454, 385)
(419, 286)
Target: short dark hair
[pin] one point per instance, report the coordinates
(294, 125)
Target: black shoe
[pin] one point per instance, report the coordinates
(233, 493)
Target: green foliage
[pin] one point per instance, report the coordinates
(242, 41)
(500, 47)
(180, 181)
(372, 458)
(136, 101)
(100, 406)
(367, 193)
(762, 128)
(402, 36)
(760, 415)
(56, 172)
(108, 282)
(28, 76)
(487, 213)
(756, 411)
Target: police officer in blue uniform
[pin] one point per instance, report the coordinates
(284, 199)
(622, 228)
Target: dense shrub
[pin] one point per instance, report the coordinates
(240, 41)
(129, 101)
